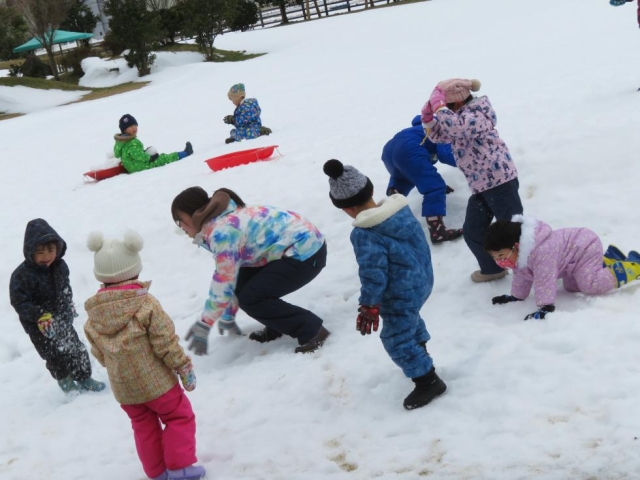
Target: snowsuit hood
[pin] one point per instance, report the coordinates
(39, 232)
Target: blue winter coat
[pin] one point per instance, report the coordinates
(247, 120)
(410, 159)
(393, 257)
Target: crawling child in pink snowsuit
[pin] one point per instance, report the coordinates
(539, 256)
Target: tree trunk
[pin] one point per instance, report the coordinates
(307, 10)
(52, 61)
(283, 12)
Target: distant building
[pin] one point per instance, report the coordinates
(102, 27)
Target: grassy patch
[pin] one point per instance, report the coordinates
(40, 83)
(97, 93)
(7, 116)
(221, 55)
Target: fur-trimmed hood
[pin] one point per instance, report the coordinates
(123, 137)
(385, 209)
(532, 233)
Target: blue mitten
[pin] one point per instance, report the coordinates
(199, 333)
(540, 313)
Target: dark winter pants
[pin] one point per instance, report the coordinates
(175, 446)
(65, 354)
(259, 291)
(401, 336)
(501, 202)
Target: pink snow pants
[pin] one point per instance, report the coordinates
(175, 446)
(589, 276)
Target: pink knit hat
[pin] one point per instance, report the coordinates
(458, 89)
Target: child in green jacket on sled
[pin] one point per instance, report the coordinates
(132, 153)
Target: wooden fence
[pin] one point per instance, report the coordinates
(318, 8)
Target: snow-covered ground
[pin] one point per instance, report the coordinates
(26, 100)
(553, 399)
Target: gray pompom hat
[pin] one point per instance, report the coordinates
(348, 187)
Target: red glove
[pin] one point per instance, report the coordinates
(437, 99)
(368, 315)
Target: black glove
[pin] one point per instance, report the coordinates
(541, 312)
(502, 299)
(230, 119)
(449, 190)
(154, 157)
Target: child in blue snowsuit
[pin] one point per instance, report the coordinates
(396, 276)
(246, 117)
(410, 160)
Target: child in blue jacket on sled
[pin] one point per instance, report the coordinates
(396, 276)
(246, 117)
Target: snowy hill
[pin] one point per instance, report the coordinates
(553, 399)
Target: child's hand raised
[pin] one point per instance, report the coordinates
(437, 99)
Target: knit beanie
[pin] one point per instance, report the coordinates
(126, 121)
(116, 261)
(458, 89)
(236, 91)
(347, 186)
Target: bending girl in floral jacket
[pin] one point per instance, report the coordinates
(539, 256)
(262, 254)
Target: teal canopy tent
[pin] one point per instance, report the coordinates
(59, 36)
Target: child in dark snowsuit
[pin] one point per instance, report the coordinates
(246, 117)
(41, 295)
(396, 276)
(409, 158)
(134, 156)
(452, 115)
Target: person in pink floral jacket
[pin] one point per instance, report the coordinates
(539, 256)
(452, 115)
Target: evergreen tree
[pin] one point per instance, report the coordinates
(137, 28)
(13, 32)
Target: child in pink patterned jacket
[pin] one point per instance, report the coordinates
(452, 115)
(539, 256)
(132, 336)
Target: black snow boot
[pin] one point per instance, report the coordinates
(188, 148)
(439, 233)
(229, 140)
(265, 335)
(428, 387)
(315, 343)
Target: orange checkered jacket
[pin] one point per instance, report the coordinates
(132, 336)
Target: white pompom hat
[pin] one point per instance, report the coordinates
(116, 261)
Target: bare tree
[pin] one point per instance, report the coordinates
(43, 19)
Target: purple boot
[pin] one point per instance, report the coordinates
(192, 472)
(163, 476)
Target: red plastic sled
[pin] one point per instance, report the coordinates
(105, 172)
(242, 157)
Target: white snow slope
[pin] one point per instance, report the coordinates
(553, 399)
